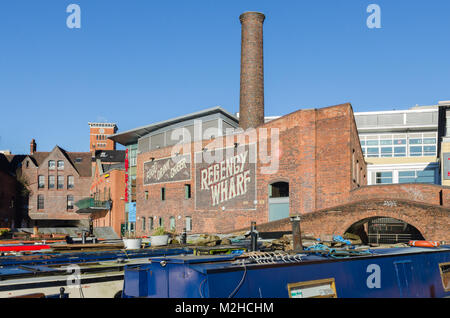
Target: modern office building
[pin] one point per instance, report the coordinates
(400, 146)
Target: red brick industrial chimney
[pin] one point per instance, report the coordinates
(251, 107)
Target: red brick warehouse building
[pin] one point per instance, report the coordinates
(307, 163)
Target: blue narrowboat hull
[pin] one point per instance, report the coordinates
(386, 273)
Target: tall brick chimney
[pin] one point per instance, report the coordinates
(251, 106)
(32, 146)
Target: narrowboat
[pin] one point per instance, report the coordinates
(317, 272)
(74, 274)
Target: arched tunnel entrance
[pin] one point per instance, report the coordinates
(383, 230)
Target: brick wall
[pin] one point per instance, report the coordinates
(113, 182)
(8, 198)
(315, 157)
(431, 220)
(55, 200)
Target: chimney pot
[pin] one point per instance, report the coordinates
(32, 146)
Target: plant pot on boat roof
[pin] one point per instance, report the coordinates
(131, 241)
(159, 237)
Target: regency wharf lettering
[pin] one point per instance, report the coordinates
(226, 179)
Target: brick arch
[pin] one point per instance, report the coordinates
(280, 179)
(432, 221)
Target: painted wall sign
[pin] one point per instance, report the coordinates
(228, 183)
(167, 170)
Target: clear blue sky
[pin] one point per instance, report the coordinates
(135, 62)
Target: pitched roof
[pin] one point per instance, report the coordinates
(4, 163)
(81, 161)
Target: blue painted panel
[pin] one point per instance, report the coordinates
(278, 211)
(413, 274)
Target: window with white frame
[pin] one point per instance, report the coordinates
(416, 176)
(404, 176)
(383, 177)
(399, 145)
(51, 164)
(188, 224)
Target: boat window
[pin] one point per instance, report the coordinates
(445, 275)
(322, 288)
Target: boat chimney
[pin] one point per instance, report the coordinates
(296, 233)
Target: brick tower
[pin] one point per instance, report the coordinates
(99, 133)
(251, 107)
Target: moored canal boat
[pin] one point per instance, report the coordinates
(373, 273)
(75, 275)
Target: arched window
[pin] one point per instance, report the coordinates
(279, 190)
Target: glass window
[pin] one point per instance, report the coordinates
(399, 141)
(146, 195)
(60, 182)
(385, 142)
(187, 191)
(172, 223)
(143, 224)
(41, 182)
(372, 142)
(70, 182)
(383, 177)
(40, 202)
(188, 224)
(429, 150)
(428, 141)
(150, 223)
(60, 165)
(425, 176)
(161, 222)
(416, 176)
(372, 152)
(51, 182)
(386, 151)
(69, 202)
(406, 176)
(415, 151)
(363, 142)
(51, 164)
(163, 194)
(415, 141)
(399, 151)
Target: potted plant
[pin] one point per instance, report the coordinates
(131, 241)
(159, 237)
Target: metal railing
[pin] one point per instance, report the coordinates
(91, 203)
(389, 238)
